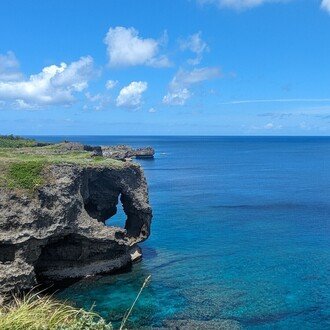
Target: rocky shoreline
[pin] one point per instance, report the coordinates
(120, 152)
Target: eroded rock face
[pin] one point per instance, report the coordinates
(123, 152)
(59, 232)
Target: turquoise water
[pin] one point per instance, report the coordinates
(240, 231)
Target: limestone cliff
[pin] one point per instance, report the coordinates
(57, 231)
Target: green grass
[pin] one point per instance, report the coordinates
(26, 175)
(36, 312)
(11, 141)
(23, 168)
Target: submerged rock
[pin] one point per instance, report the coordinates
(217, 324)
(58, 232)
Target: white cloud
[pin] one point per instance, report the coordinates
(269, 126)
(325, 4)
(110, 84)
(179, 91)
(93, 98)
(187, 78)
(239, 4)
(195, 44)
(21, 104)
(9, 67)
(54, 85)
(126, 48)
(152, 110)
(272, 126)
(178, 97)
(131, 96)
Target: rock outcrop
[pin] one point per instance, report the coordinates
(120, 152)
(58, 231)
(123, 152)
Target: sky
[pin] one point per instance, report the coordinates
(183, 67)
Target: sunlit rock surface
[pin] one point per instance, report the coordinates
(57, 232)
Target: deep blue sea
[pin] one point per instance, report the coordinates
(240, 231)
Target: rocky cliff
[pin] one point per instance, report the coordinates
(57, 230)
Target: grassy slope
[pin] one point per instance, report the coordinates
(11, 141)
(23, 167)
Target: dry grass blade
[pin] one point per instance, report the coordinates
(129, 312)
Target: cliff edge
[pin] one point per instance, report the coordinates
(53, 206)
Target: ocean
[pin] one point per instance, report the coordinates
(240, 232)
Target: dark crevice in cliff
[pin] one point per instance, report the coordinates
(70, 254)
(7, 253)
(100, 214)
(58, 252)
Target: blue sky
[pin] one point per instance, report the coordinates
(191, 67)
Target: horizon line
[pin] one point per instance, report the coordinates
(164, 135)
(275, 100)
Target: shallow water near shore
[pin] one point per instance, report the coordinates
(240, 232)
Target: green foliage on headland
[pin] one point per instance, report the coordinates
(35, 312)
(23, 163)
(11, 141)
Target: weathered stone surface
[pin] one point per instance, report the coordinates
(146, 152)
(58, 232)
(123, 152)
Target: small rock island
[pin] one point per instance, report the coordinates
(54, 201)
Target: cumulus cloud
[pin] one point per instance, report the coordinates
(325, 4)
(110, 84)
(179, 91)
(9, 67)
(54, 85)
(152, 110)
(195, 44)
(131, 96)
(126, 48)
(239, 4)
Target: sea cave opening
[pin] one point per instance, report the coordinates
(119, 218)
(107, 203)
(107, 208)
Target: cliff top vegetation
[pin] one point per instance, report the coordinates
(24, 162)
